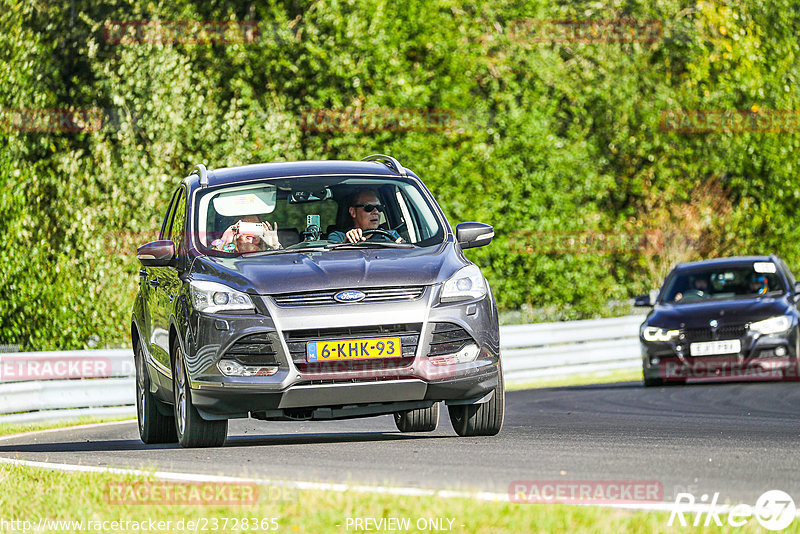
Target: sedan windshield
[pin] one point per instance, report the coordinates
(273, 215)
(752, 280)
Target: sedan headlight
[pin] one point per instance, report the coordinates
(773, 325)
(212, 297)
(467, 284)
(654, 333)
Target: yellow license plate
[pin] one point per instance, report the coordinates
(353, 349)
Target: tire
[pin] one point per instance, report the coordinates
(154, 426)
(653, 382)
(421, 420)
(484, 419)
(193, 431)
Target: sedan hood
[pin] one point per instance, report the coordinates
(727, 312)
(335, 269)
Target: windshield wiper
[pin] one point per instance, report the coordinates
(282, 251)
(370, 244)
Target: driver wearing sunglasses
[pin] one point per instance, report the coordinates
(365, 210)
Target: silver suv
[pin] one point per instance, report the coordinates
(312, 290)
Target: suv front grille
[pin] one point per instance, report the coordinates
(409, 334)
(448, 338)
(707, 334)
(255, 349)
(377, 294)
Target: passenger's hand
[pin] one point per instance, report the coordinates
(228, 235)
(355, 235)
(270, 236)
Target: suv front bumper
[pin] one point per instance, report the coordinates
(378, 386)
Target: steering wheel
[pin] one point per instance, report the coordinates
(378, 231)
(695, 294)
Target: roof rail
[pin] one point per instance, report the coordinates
(201, 170)
(389, 161)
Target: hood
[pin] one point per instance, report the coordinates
(727, 312)
(335, 269)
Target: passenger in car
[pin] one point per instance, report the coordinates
(758, 284)
(365, 210)
(249, 234)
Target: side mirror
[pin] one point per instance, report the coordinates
(796, 288)
(156, 253)
(474, 234)
(648, 300)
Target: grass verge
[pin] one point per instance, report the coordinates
(15, 428)
(89, 502)
(622, 375)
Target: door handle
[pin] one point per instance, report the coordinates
(154, 282)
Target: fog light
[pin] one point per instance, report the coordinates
(234, 368)
(780, 351)
(465, 355)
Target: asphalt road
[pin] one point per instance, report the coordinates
(737, 439)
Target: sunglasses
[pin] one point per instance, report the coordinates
(369, 208)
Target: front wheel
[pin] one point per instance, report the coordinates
(653, 382)
(421, 420)
(484, 419)
(154, 426)
(193, 430)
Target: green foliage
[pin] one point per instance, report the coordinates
(546, 138)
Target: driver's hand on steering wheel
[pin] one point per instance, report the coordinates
(356, 234)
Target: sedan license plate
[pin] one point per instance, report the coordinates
(353, 349)
(710, 348)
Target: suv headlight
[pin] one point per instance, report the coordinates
(212, 297)
(773, 325)
(654, 333)
(467, 284)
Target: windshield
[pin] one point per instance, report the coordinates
(276, 215)
(752, 280)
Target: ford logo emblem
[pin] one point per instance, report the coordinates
(713, 323)
(351, 295)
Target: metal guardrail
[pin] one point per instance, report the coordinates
(38, 386)
(62, 385)
(548, 350)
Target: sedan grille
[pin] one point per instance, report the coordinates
(378, 294)
(297, 341)
(708, 334)
(448, 338)
(255, 349)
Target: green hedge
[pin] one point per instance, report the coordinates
(544, 140)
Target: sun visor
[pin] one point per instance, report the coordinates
(766, 267)
(248, 202)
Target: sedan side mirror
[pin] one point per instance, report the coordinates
(796, 288)
(474, 234)
(156, 253)
(648, 300)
